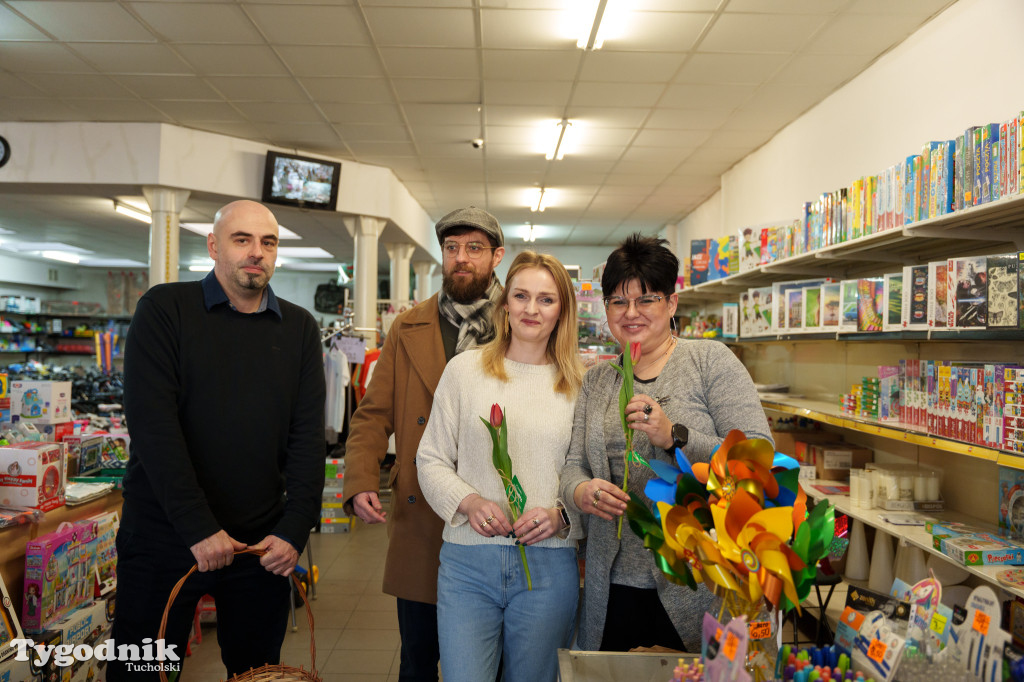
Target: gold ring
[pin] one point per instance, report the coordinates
(484, 523)
(489, 519)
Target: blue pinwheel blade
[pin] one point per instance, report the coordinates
(660, 491)
(664, 471)
(785, 461)
(683, 462)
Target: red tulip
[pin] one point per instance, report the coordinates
(496, 416)
(634, 352)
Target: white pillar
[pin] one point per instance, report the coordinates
(365, 231)
(423, 269)
(165, 205)
(400, 255)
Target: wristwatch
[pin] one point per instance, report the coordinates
(680, 436)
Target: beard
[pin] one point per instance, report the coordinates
(466, 290)
(252, 281)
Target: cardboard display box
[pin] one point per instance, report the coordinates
(833, 461)
(32, 474)
(44, 402)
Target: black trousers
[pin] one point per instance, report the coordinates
(252, 605)
(417, 626)
(637, 618)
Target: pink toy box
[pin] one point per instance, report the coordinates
(32, 474)
(59, 568)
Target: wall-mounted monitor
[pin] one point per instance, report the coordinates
(301, 181)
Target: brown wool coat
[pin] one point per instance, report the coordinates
(398, 400)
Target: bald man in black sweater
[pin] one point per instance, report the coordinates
(224, 397)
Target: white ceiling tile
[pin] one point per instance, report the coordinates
(658, 31)
(687, 119)
(198, 23)
(667, 139)
(526, 92)
(711, 161)
(280, 112)
(594, 175)
(598, 152)
(350, 90)
(862, 34)
(445, 91)
(233, 60)
(283, 25)
(633, 94)
(531, 65)
(634, 180)
(71, 21)
(788, 6)
(441, 114)
(753, 119)
(18, 87)
(920, 8)
(820, 68)
(521, 115)
(606, 66)
(77, 85)
(373, 133)
(338, 112)
(445, 134)
(523, 136)
(13, 27)
(259, 88)
(154, 86)
(129, 110)
(242, 129)
(710, 96)
(430, 62)
(504, 28)
(331, 61)
(737, 139)
(364, 150)
(28, 57)
(184, 110)
(639, 161)
(604, 136)
(761, 32)
(730, 68)
(608, 116)
(428, 27)
(299, 134)
(12, 109)
(132, 58)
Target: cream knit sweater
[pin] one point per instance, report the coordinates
(454, 456)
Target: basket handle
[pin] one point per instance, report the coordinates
(248, 550)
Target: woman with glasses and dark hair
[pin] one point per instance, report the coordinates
(687, 394)
(532, 370)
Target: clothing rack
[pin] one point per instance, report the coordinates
(345, 328)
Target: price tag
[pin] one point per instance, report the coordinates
(938, 624)
(876, 651)
(981, 622)
(761, 629)
(731, 643)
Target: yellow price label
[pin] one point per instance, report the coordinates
(732, 642)
(938, 624)
(876, 651)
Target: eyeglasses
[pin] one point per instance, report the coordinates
(620, 304)
(474, 250)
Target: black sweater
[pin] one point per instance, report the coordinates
(226, 413)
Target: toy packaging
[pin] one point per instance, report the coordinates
(812, 308)
(32, 474)
(699, 261)
(114, 452)
(1003, 291)
(869, 304)
(89, 625)
(1011, 500)
(937, 294)
(46, 402)
(971, 294)
(10, 629)
(848, 305)
(106, 552)
(794, 309)
(914, 314)
(756, 312)
(750, 248)
(83, 454)
(59, 570)
(892, 303)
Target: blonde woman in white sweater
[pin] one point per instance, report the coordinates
(532, 370)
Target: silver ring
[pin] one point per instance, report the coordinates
(536, 521)
(647, 416)
(648, 408)
(597, 496)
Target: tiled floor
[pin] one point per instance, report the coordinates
(355, 623)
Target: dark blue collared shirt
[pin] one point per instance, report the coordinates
(213, 294)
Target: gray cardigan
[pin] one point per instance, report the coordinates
(704, 387)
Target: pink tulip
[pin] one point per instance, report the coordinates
(496, 416)
(634, 352)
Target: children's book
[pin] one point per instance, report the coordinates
(1003, 291)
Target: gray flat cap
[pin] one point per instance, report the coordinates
(473, 218)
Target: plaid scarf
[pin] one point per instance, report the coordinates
(472, 319)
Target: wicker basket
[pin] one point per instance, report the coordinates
(266, 673)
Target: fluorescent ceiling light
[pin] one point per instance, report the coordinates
(132, 212)
(303, 252)
(203, 229)
(63, 256)
(559, 140)
(538, 199)
(200, 268)
(27, 247)
(315, 267)
(596, 21)
(530, 233)
(112, 263)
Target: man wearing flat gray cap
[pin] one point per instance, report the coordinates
(398, 400)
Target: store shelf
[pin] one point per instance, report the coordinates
(915, 535)
(944, 335)
(827, 413)
(977, 230)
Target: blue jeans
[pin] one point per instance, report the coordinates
(484, 608)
